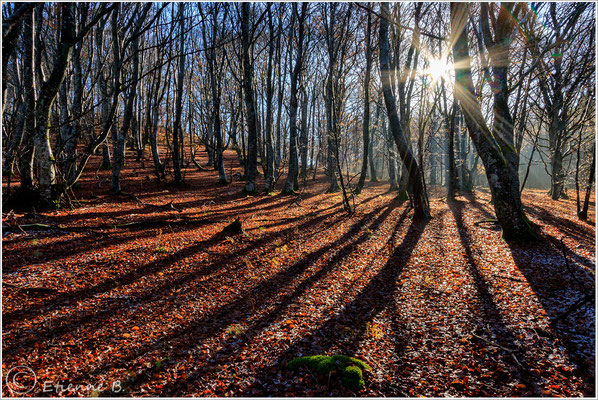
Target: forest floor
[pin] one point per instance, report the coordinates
(173, 307)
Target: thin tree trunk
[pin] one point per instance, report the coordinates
(415, 178)
(586, 202)
(176, 134)
(270, 162)
(366, 106)
(290, 183)
(252, 128)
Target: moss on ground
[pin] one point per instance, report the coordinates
(350, 369)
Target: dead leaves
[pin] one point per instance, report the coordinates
(182, 311)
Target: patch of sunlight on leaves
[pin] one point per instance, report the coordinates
(235, 330)
(161, 250)
(374, 330)
(282, 249)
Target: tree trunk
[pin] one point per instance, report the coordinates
(366, 106)
(176, 134)
(252, 128)
(303, 137)
(373, 175)
(290, 183)
(583, 215)
(119, 136)
(27, 153)
(502, 179)
(269, 170)
(415, 178)
(47, 94)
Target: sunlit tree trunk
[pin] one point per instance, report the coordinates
(47, 94)
(366, 106)
(415, 178)
(176, 134)
(502, 178)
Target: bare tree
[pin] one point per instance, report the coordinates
(415, 175)
(494, 147)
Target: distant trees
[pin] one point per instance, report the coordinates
(294, 91)
(565, 66)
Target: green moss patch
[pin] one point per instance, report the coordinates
(350, 369)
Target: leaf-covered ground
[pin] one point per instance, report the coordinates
(173, 307)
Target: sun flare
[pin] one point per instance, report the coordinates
(438, 69)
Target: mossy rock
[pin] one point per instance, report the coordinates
(350, 369)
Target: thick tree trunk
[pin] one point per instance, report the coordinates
(415, 178)
(330, 98)
(557, 178)
(27, 153)
(502, 178)
(281, 72)
(73, 131)
(47, 94)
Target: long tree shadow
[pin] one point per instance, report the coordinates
(375, 297)
(224, 315)
(78, 245)
(580, 232)
(491, 316)
(215, 321)
(558, 284)
(543, 266)
(66, 298)
(348, 244)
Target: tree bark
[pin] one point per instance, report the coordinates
(47, 94)
(176, 134)
(252, 127)
(366, 106)
(290, 183)
(415, 178)
(270, 162)
(502, 178)
(583, 215)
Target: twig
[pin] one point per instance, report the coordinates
(564, 250)
(510, 351)
(574, 307)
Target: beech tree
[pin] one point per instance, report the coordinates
(495, 146)
(416, 188)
